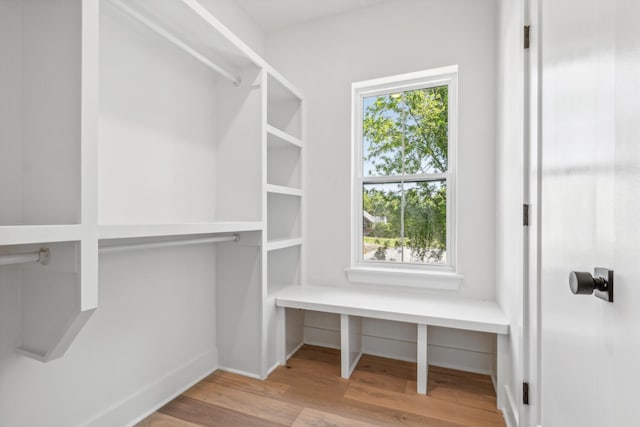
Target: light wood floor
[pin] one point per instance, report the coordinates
(309, 392)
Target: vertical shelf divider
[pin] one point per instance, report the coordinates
(283, 196)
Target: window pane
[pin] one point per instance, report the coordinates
(382, 151)
(381, 213)
(425, 222)
(406, 132)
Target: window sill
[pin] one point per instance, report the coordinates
(440, 280)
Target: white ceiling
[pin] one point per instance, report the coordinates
(273, 15)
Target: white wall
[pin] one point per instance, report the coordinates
(153, 99)
(324, 57)
(509, 180)
(10, 111)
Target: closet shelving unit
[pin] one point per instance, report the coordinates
(284, 193)
(47, 158)
(108, 147)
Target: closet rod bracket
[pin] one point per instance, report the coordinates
(44, 255)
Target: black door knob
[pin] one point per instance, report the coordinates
(583, 283)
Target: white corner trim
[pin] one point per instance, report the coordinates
(423, 279)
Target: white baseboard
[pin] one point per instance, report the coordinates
(294, 351)
(510, 413)
(147, 400)
(239, 372)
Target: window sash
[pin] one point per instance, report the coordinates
(433, 78)
(381, 179)
(403, 264)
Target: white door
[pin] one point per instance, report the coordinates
(590, 211)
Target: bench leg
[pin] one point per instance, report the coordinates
(350, 343)
(423, 365)
(281, 316)
(502, 368)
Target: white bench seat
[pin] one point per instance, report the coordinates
(354, 303)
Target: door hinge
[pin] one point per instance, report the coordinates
(525, 393)
(525, 215)
(527, 38)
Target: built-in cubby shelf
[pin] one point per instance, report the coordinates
(274, 245)
(284, 108)
(280, 139)
(283, 216)
(280, 189)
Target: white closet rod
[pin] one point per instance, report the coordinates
(42, 256)
(179, 43)
(156, 245)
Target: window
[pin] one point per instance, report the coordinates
(404, 172)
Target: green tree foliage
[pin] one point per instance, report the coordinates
(408, 134)
(416, 120)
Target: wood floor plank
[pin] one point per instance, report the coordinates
(327, 394)
(250, 385)
(309, 391)
(317, 366)
(247, 403)
(319, 354)
(314, 418)
(208, 415)
(388, 367)
(386, 382)
(456, 395)
(425, 405)
(163, 420)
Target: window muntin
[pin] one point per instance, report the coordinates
(404, 181)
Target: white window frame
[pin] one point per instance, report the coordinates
(432, 276)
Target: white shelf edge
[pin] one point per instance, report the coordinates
(123, 231)
(276, 244)
(284, 136)
(279, 189)
(31, 234)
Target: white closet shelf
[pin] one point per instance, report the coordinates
(28, 234)
(191, 27)
(156, 230)
(288, 191)
(278, 138)
(276, 244)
